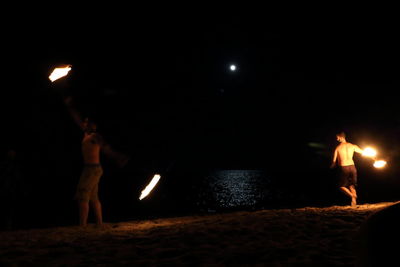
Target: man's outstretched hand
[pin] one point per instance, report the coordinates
(121, 162)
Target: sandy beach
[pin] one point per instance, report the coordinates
(307, 236)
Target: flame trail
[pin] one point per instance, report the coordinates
(379, 164)
(369, 152)
(59, 73)
(150, 186)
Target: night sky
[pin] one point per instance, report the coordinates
(160, 87)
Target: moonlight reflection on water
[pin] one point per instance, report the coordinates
(235, 189)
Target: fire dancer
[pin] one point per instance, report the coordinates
(343, 156)
(92, 145)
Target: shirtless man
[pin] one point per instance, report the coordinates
(343, 155)
(88, 186)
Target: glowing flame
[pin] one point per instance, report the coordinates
(59, 72)
(369, 152)
(150, 186)
(379, 164)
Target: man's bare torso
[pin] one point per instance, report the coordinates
(91, 148)
(345, 152)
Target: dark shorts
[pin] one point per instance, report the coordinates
(348, 176)
(88, 185)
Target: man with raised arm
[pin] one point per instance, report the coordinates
(88, 186)
(343, 156)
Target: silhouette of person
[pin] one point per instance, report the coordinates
(92, 145)
(343, 156)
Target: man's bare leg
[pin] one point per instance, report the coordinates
(83, 213)
(353, 191)
(346, 191)
(350, 194)
(97, 211)
(354, 198)
(353, 202)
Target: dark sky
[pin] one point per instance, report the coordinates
(160, 80)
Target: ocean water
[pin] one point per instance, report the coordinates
(226, 190)
(213, 191)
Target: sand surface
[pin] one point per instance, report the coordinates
(283, 237)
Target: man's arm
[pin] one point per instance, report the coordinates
(334, 158)
(358, 149)
(76, 116)
(119, 158)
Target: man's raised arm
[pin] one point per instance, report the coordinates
(76, 116)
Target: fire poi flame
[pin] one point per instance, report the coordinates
(379, 164)
(59, 72)
(369, 152)
(150, 186)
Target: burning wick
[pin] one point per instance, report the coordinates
(150, 186)
(369, 152)
(379, 164)
(59, 72)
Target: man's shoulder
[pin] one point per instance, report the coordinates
(348, 144)
(99, 138)
(353, 146)
(94, 137)
(344, 145)
(96, 134)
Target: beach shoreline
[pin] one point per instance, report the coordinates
(309, 236)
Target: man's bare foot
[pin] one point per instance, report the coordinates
(353, 202)
(81, 228)
(102, 226)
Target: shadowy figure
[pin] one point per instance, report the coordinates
(343, 156)
(92, 144)
(12, 188)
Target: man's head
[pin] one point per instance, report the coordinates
(341, 137)
(89, 126)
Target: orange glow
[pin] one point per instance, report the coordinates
(379, 164)
(150, 186)
(369, 152)
(59, 73)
